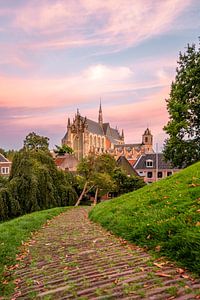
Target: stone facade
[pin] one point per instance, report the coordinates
(86, 137)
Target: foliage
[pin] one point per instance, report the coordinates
(182, 147)
(3, 181)
(105, 163)
(124, 183)
(62, 150)
(36, 142)
(164, 217)
(14, 232)
(34, 184)
(2, 151)
(99, 175)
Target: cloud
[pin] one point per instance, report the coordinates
(110, 23)
(85, 86)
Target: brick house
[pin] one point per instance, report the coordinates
(152, 167)
(5, 166)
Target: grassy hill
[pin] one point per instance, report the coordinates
(164, 217)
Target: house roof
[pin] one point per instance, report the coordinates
(3, 159)
(126, 166)
(66, 162)
(155, 157)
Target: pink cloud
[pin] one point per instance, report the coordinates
(119, 23)
(84, 86)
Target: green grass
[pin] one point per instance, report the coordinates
(16, 231)
(163, 217)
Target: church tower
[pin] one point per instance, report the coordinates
(100, 119)
(147, 141)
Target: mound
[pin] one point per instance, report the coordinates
(164, 216)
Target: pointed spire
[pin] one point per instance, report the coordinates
(100, 109)
(123, 133)
(78, 113)
(68, 122)
(100, 119)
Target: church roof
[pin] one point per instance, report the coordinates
(147, 132)
(65, 136)
(135, 146)
(112, 134)
(94, 127)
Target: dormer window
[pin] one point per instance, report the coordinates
(149, 163)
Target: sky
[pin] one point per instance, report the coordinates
(60, 55)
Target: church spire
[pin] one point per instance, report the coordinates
(100, 114)
(122, 134)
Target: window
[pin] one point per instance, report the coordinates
(146, 139)
(169, 173)
(160, 175)
(91, 141)
(5, 170)
(149, 174)
(99, 142)
(102, 142)
(149, 163)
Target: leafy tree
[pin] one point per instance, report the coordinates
(125, 183)
(103, 183)
(62, 150)
(36, 142)
(182, 147)
(105, 163)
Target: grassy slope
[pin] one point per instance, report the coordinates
(14, 232)
(164, 216)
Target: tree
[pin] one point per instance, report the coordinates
(182, 147)
(103, 183)
(2, 151)
(62, 150)
(85, 169)
(36, 142)
(125, 183)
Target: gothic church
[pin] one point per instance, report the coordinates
(86, 136)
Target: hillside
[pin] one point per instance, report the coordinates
(164, 217)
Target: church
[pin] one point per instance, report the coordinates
(86, 137)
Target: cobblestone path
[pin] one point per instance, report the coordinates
(72, 258)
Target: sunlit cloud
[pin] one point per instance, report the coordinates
(113, 23)
(89, 83)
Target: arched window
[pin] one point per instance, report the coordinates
(102, 142)
(99, 142)
(95, 141)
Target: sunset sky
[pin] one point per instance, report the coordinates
(57, 56)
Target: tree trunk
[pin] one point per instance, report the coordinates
(96, 195)
(82, 194)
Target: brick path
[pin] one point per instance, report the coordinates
(72, 258)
